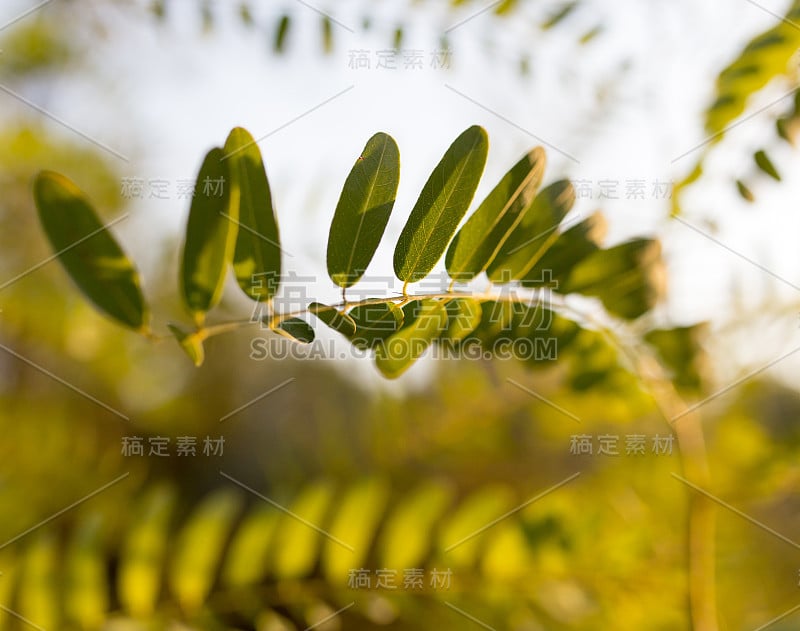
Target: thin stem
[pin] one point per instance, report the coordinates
(275, 319)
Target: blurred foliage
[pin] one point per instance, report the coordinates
(34, 47)
(768, 58)
(278, 26)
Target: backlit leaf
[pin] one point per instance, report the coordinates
(479, 240)
(571, 247)
(441, 206)
(534, 235)
(363, 211)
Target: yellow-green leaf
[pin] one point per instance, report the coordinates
(200, 546)
(257, 256)
(408, 534)
(247, 560)
(300, 531)
(210, 236)
(356, 522)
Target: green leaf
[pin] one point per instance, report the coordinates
(532, 332)
(441, 206)
(628, 278)
(88, 251)
(296, 329)
(463, 317)
(534, 235)
(507, 555)
(677, 190)
(327, 35)
(210, 236)
(505, 7)
(363, 210)
(480, 239)
(745, 191)
(571, 247)
(257, 256)
(765, 57)
(246, 16)
(397, 40)
(191, 343)
(374, 323)
(681, 350)
(590, 35)
(333, 318)
(281, 32)
(765, 164)
(560, 14)
(594, 361)
(546, 335)
(424, 321)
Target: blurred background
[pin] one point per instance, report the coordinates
(126, 96)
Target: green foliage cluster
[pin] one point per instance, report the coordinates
(518, 237)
